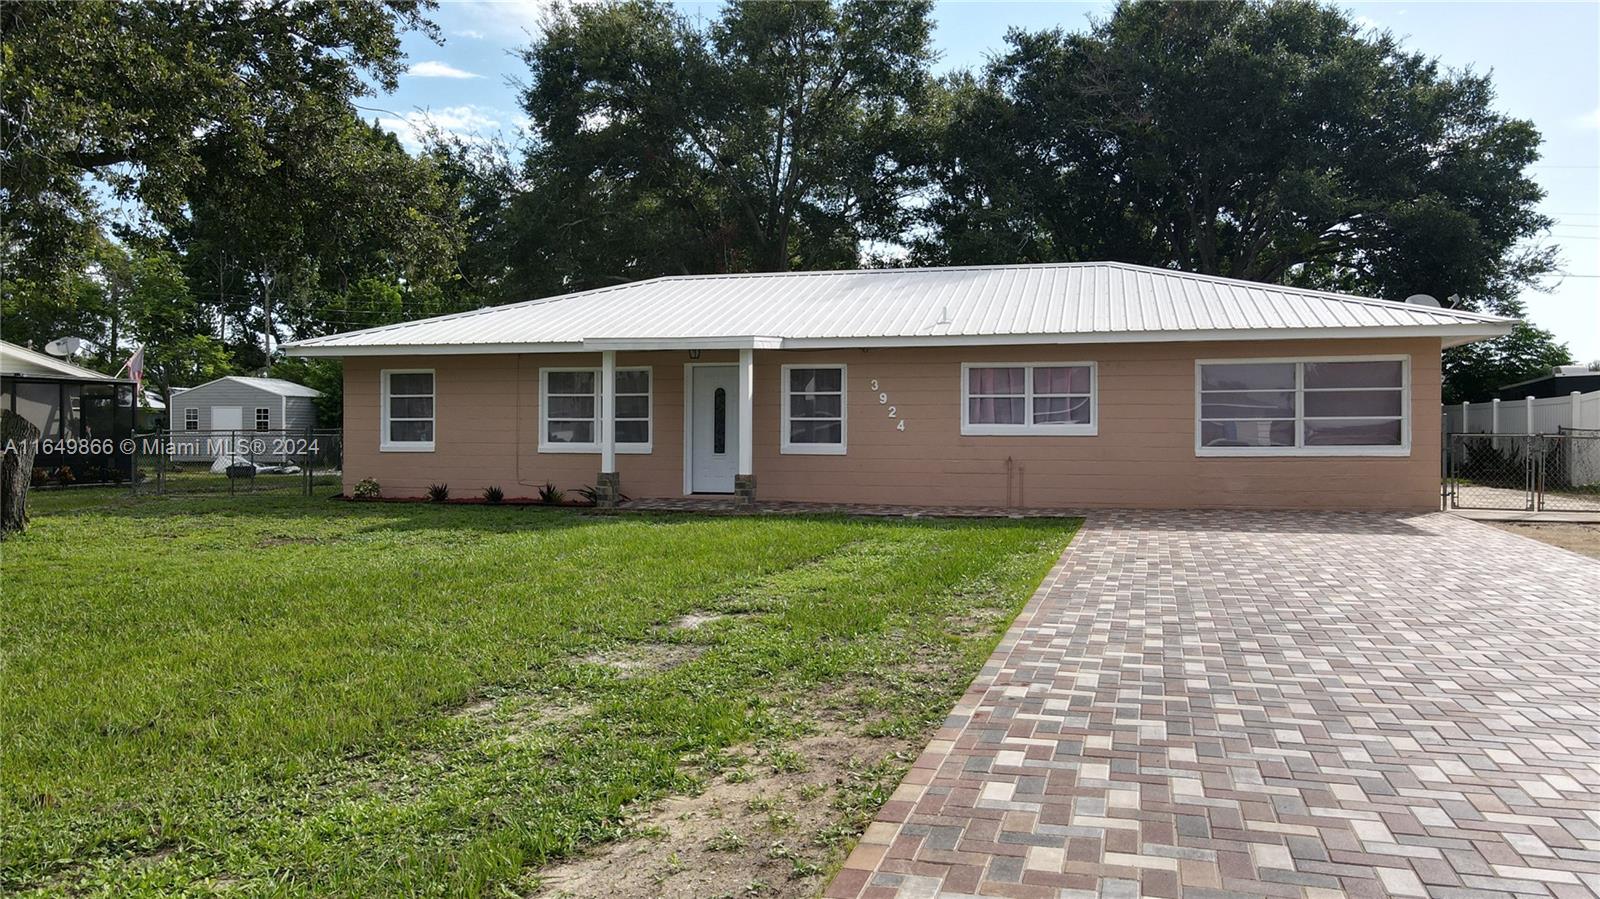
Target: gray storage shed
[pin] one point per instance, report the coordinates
(240, 404)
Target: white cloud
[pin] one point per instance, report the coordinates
(432, 68)
(1589, 120)
(1365, 23)
(472, 33)
(468, 122)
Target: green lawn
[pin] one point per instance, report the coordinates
(276, 695)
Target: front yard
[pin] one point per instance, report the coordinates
(301, 697)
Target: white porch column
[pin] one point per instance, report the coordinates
(608, 411)
(747, 412)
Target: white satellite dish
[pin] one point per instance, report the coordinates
(64, 346)
(1422, 299)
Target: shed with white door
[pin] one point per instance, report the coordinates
(237, 405)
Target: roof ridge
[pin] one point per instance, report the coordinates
(1111, 263)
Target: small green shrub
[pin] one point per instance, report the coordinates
(438, 493)
(367, 488)
(494, 495)
(551, 494)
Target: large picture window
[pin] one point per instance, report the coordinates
(1303, 407)
(814, 409)
(408, 410)
(569, 410)
(1028, 398)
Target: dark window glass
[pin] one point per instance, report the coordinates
(719, 422)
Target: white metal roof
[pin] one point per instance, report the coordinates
(19, 360)
(271, 385)
(1008, 304)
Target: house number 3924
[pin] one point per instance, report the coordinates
(883, 400)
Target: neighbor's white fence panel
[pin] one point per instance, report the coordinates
(1549, 415)
(1541, 416)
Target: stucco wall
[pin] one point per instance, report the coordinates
(1144, 456)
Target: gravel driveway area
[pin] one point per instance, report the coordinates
(1269, 704)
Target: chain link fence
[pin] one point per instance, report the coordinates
(233, 462)
(1527, 472)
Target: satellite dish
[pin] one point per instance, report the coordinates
(64, 346)
(1422, 299)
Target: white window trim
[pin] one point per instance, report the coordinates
(816, 449)
(1299, 449)
(386, 445)
(259, 410)
(630, 449)
(968, 429)
(186, 411)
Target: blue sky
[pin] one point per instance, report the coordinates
(1543, 56)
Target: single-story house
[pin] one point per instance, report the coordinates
(234, 405)
(1563, 380)
(1067, 385)
(83, 416)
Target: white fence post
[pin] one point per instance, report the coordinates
(1577, 408)
(1466, 417)
(1527, 404)
(1494, 416)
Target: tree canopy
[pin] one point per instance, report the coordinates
(209, 159)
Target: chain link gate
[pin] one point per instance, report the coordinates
(235, 462)
(1524, 472)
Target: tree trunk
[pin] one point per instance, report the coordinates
(18, 441)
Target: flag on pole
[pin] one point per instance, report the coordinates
(135, 369)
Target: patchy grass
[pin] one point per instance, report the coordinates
(299, 697)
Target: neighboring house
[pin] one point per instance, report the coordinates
(69, 403)
(236, 405)
(1563, 380)
(1072, 385)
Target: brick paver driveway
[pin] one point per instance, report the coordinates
(1212, 704)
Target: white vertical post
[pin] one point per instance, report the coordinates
(1494, 416)
(1528, 405)
(608, 411)
(1576, 415)
(1466, 417)
(747, 424)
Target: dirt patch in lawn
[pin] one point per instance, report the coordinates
(695, 620)
(644, 658)
(1580, 538)
(772, 826)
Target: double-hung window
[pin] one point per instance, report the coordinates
(408, 409)
(191, 419)
(1303, 407)
(814, 410)
(569, 410)
(1029, 398)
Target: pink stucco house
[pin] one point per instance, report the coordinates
(1067, 385)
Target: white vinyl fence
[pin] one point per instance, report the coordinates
(1576, 414)
(1551, 415)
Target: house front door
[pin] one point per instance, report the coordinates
(713, 428)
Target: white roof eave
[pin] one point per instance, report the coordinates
(1451, 335)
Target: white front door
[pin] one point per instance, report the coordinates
(713, 428)
(227, 418)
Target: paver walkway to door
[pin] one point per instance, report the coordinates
(1231, 704)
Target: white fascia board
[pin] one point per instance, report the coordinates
(1451, 335)
(752, 342)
